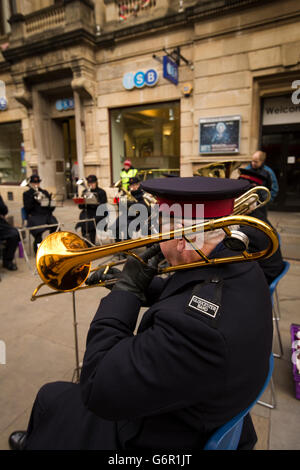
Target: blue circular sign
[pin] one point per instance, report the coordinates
(70, 103)
(151, 77)
(128, 81)
(65, 104)
(139, 79)
(3, 103)
(58, 105)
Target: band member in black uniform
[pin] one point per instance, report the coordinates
(138, 195)
(10, 236)
(37, 204)
(88, 211)
(200, 355)
(131, 210)
(273, 265)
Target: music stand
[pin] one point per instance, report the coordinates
(76, 373)
(86, 201)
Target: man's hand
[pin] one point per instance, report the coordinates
(100, 275)
(136, 276)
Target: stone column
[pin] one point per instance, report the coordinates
(44, 143)
(79, 134)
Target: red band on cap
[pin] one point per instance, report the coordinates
(252, 178)
(212, 209)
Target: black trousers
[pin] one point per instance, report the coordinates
(60, 421)
(11, 237)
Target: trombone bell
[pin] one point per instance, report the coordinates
(55, 261)
(64, 260)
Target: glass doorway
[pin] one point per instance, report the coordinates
(70, 156)
(12, 163)
(282, 146)
(148, 135)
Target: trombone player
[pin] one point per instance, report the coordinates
(199, 357)
(37, 204)
(93, 195)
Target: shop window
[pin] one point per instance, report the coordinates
(147, 135)
(11, 153)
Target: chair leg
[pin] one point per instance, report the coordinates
(276, 321)
(277, 304)
(273, 403)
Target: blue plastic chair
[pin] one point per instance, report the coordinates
(275, 303)
(227, 437)
(24, 216)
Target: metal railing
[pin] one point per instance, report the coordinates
(131, 8)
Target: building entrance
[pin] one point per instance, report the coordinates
(282, 146)
(70, 166)
(148, 135)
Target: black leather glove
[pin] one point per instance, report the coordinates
(99, 276)
(136, 276)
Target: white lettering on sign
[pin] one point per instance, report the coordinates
(296, 94)
(140, 79)
(280, 110)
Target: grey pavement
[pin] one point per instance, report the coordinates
(40, 343)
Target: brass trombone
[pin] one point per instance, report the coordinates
(259, 195)
(64, 260)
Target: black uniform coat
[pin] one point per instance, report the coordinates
(8, 233)
(193, 365)
(89, 210)
(38, 214)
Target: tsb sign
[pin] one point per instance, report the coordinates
(140, 79)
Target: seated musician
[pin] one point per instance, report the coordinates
(10, 236)
(88, 210)
(273, 265)
(37, 204)
(130, 210)
(199, 357)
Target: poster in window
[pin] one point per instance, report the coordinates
(219, 135)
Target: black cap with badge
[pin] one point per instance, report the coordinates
(253, 177)
(35, 179)
(92, 179)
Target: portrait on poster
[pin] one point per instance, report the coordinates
(219, 135)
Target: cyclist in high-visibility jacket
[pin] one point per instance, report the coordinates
(127, 172)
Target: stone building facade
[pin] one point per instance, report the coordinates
(85, 85)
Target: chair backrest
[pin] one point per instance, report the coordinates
(227, 437)
(274, 283)
(24, 214)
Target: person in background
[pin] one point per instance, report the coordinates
(10, 236)
(127, 172)
(258, 165)
(135, 196)
(88, 211)
(37, 204)
(75, 176)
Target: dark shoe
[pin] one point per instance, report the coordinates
(10, 265)
(17, 440)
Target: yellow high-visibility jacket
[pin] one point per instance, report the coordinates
(125, 175)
